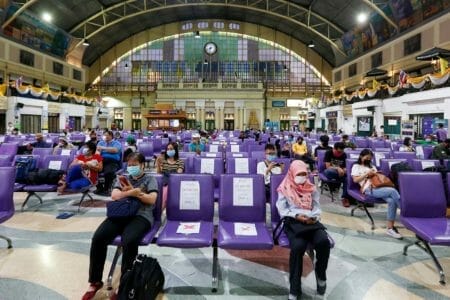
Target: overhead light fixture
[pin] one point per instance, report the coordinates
(47, 17)
(205, 62)
(285, 68)
(126, 65)
(311, 44)
(361, 18)
(197, 34)
(85, 42)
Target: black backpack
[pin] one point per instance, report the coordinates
(144, 281)
(397, 168)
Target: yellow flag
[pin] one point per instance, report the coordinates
(375, 84)
(444, 65)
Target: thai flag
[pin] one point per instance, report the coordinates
(403, 77)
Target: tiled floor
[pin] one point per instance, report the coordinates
(50, 260)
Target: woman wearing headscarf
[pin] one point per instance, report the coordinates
(298, 203)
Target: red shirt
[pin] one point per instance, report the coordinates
(93, 175)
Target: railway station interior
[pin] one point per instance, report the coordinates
(240, 128)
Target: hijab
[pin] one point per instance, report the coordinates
(298, 194)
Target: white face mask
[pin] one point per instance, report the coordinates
(300, 179)
(105, 139)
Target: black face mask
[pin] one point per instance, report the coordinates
(367, 162)
(93, 138)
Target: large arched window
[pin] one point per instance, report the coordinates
(212, 57)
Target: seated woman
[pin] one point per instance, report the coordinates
(298, 202)
(362, 171)
(138, 185)
(169, 165)
(407, 145)
(63, 145)
(83, 171)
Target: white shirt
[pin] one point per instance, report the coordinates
(359, 170)
(261, 168)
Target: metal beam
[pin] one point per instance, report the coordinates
(25, 5)
(281, 9)
(378, 10)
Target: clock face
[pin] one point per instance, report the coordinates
(210, 48)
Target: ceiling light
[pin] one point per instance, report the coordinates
(197, 34)
(361, 18)
(205, 62)
(311, 44)
(47, 17)
(126, 65)
(85, 42)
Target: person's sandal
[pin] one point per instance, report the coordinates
(91, 293)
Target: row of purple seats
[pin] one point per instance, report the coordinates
(7, 207)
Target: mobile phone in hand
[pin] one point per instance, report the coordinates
(123, 180)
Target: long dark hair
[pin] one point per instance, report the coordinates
(406, 141)
(363, 153)
(175, 147)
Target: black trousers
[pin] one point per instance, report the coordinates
(110, 167)
(131, 229)
(298, 244)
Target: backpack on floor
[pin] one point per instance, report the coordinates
(397, 168)
(24, 165)
(144, 281)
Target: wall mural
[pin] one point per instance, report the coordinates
(405, 13)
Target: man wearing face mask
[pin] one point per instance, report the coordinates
(63, 144)
(83, 171)
(196, 146)
(111, 152)
(335, 169)
(269, 166)
(40, 143)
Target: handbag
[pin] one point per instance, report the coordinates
(299, 228)
(123, 208)
(380, 180)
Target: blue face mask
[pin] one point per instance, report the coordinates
(134, 170)
(270, 157)
(170, 153)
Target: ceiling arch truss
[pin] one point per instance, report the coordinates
(286, 10)
(377, 7)
(24, 4)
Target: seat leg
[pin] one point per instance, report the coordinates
(352, 212)
(113, 267)
(215, 268)
(369, 215)
(30, 194)
(426, 247)
(8, 240)
(405, 248)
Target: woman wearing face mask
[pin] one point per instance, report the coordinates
(298, 203)
(362, 171)
(83, 171)
(63, 144)
(169, 165)
(137, 185)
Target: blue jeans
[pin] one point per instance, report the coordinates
(333, 174)
(388, 194)
(75, 179)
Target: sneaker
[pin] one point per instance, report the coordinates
(393, 232)
(321, 286)
(292, 297)
(345, 202)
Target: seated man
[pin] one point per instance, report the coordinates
(196, 146)
(335, 169)
(39, 143)
(63, 144)
(347, 142)
(111, 152)
(268, 167)
(441, 151)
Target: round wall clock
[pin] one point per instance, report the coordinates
(210, 48)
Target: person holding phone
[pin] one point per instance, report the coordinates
(138, 185)
(269, 166)
(298, 203)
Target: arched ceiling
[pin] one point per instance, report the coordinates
(107, 22)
